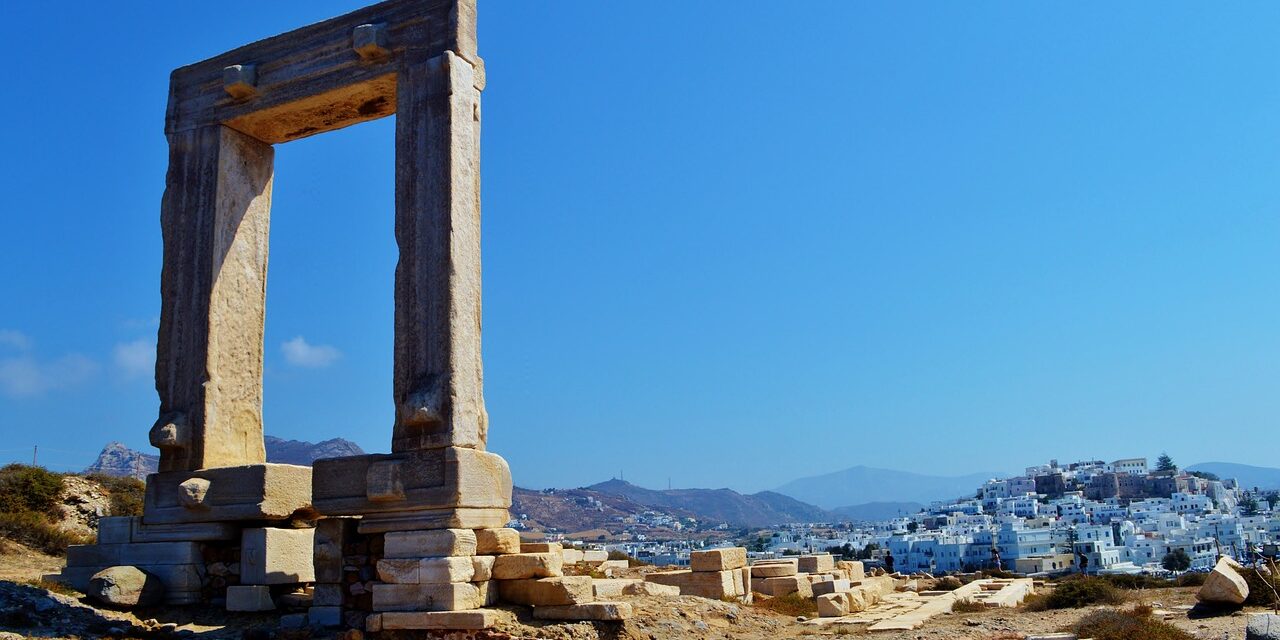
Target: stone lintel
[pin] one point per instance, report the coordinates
(435, 519)
(321, 59)
(227, 494)
(414, 483)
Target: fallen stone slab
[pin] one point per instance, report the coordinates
(546, 591)
(591, 611)
(816, 563)
(519, 566)
(773, 569)
(718, 559)
(422, 620)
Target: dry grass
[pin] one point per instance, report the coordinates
(1132, 624)
(792, 604)
(35, 531)
(1074, 593)
(967, 606)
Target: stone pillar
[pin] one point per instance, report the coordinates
(438, 379)
(214, 219)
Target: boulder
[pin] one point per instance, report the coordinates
(1224, 586)
(125, 587)
(1263, 626)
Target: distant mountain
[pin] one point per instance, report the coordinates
(304, 453)
(875, 511)
(860, 485)
(119, 460)
(1267, 478)
(719, 505)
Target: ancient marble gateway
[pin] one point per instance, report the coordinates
(221, 522)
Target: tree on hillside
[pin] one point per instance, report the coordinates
(1176, 560)
(1249, 505)
(1205, 475)
(1164, 464)
(1272, 499)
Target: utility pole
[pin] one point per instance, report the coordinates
(35, 451)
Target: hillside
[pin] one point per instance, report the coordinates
(875, 511)
(720, 505)
(861, 485)
(1265, 478)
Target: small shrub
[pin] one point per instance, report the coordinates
(1135, 624)
(54, 586)
(1074, 593)
(792, 604)
(1191, 579)
(967, 606)
(947, 583)
(126, 493)
(1134, 583)
(35, 531)
(1262, 587)
(27, 488)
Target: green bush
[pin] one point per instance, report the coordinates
(1262, 587)
(35, 531)
(26, 488)
(1077, 592)
(1134, 583)
(1134, 624)
(126, 493)
(1191, 579)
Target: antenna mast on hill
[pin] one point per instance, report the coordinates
(35, 451)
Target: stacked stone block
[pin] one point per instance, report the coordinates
(713, 573)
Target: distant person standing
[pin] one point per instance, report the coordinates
(1084, 563)
(888, 561)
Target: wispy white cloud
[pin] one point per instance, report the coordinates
(300, 353)
(24, 375)
(14, 339)
(136, 358)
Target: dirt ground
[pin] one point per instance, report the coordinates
(28, 608)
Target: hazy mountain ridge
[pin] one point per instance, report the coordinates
(1249, 476)
(876, 511)
(720, 505)
(862, 485)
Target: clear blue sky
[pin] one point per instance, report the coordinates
(725, 243)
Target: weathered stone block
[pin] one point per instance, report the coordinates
(449, 569)
(542, 547)
(1263, 626)
(421, 620)
(718, 559)
(434, 543)
(324, 616)
(707, 584)
(594, 557)
(329, 595)
(399, 570)
(432, 479)
(277, 556)
(781, 586)
(139, 554)
(853, 569)
(492, 542)
(1224, 585)
(591, 611)
(458, 596)
(816, 563)
(482, 566)
(421, 519)
(830, 586)
(571, 556)
(773, 569)
(115, 529)
(249, 598)
(177, 578)
(186, 532)
(251, 492)
(833, 605)
(546, 591)
(517, 566)
(331, 537)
